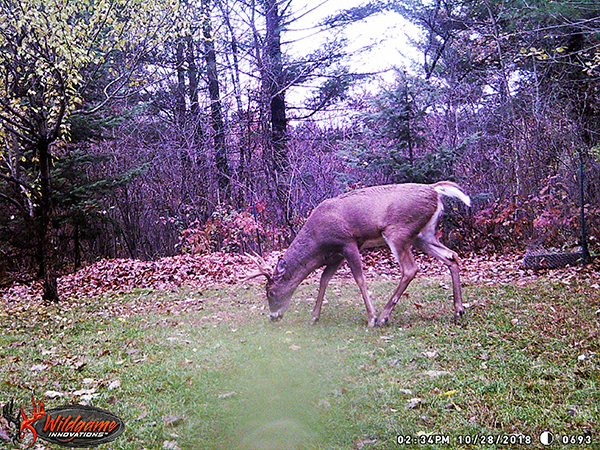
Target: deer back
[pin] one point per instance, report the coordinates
(364, 214)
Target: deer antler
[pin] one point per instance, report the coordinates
(262, 268)
(9, 414)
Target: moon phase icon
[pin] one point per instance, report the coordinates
(546, 438)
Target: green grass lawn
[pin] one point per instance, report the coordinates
(207, 370)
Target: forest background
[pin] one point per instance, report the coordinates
(142, 129)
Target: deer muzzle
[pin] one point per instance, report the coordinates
(276, 316)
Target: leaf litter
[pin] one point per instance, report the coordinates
(110, 277)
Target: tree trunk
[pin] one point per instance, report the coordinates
(76, 247)
(180, 107)
(216, 112)
(192, 71)
(274, 90)
(234, 48)
(42, 223)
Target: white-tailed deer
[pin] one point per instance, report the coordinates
(400, 215)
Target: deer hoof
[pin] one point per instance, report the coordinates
(459, 317)
(382, 321)
(314, 320)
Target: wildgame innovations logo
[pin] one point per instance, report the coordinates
(70, 425)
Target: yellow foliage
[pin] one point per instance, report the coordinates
(48, 48)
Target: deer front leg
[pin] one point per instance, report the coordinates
(352, 255)
(326, 276)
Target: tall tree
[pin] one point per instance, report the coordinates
(273, 91)
(216, 109)
(50, 52)
(524, 77)
(279, 73)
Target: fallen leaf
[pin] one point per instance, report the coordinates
(362, 442)
(79, 365)
(170, 445)
(114, 384)
(436, 373)
(89, 397)
(173, 421)
(413, 403)
(227, 395)
(82, 392)
(53, 394)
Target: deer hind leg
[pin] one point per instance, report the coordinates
(429, 244)
(405, 258)
(326, 276)
(352, 255)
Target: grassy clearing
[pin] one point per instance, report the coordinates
(188, 370)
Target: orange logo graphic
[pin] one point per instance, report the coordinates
(27, 423)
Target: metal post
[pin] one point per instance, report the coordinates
(586, 259)
(256, 221)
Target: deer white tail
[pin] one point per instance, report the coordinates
(450, 189)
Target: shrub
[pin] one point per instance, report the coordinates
(226, 230)
(550, 219)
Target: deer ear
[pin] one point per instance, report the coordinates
(281, 267)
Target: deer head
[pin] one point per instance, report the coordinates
(280, 286)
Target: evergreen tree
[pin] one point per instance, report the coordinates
(50, 56)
